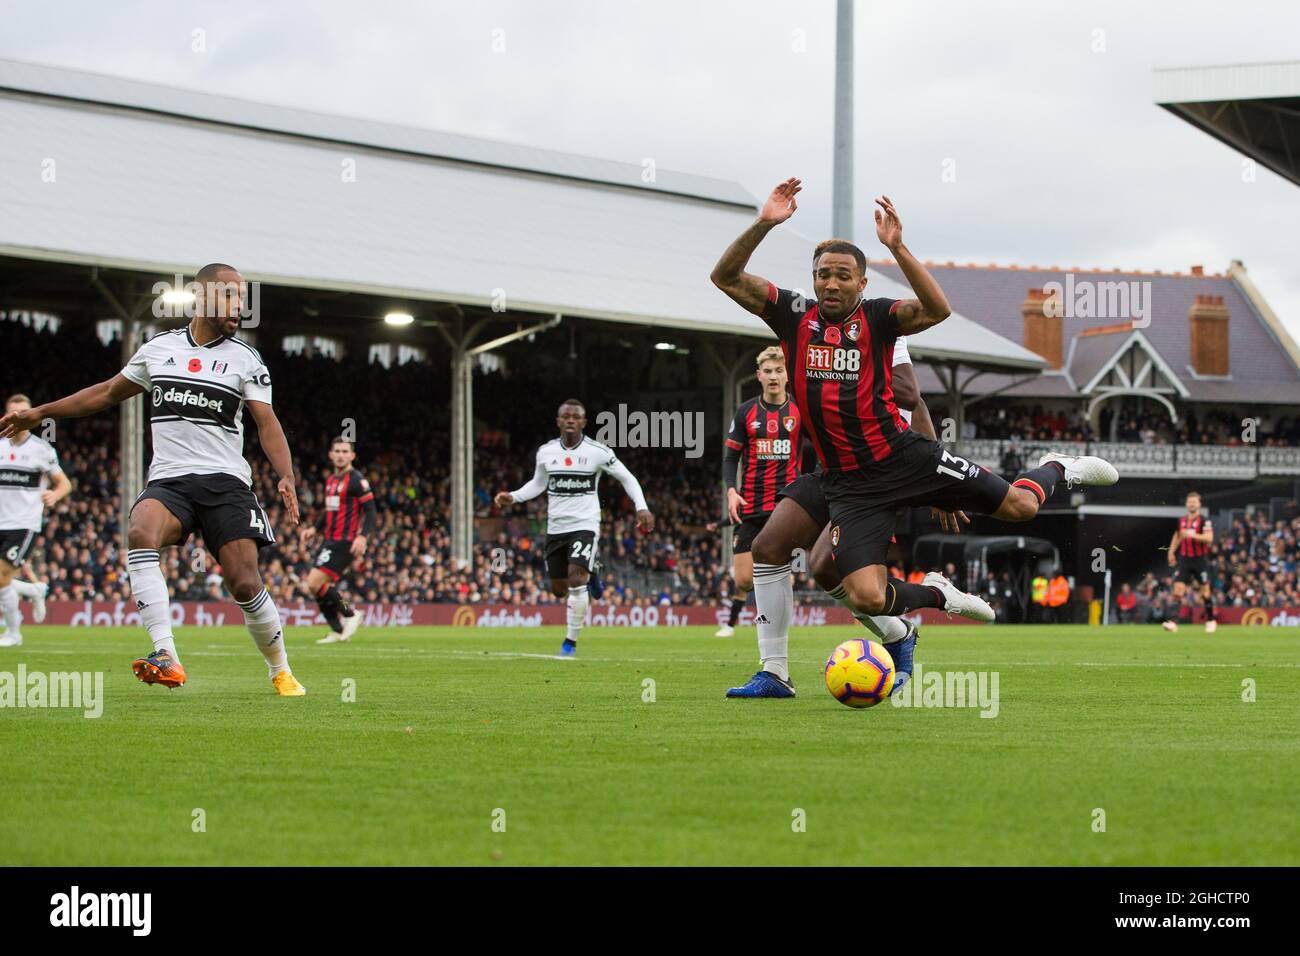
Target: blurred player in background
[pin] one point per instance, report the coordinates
(763, 444)
(346, 521)
(1189, 553)
(199, 379)
(568, 470)
(30, 481)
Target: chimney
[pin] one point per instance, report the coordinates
(1043, 326)
(1208, 320)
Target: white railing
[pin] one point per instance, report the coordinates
(1218, 461)
(1136, 460)
(1279, 461)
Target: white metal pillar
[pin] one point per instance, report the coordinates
(842, 176)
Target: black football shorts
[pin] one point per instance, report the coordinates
(864, 504)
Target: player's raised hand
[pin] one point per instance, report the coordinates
(19, 420)
(781, 205)
(949, 520)
(358, 548)
(734, 504)
(289, 497)
(645, 521)
(889, 228)
(502, 499)
(307, 533)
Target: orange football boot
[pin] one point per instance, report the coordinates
(160, 668)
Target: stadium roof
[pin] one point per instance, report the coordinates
(108, 171)
(1263, 359)
(1252, 107)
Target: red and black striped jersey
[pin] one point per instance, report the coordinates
(766, 438)
(1187, 548)
(841, 377)
(346, 496)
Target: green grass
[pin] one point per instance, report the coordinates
(449, 725)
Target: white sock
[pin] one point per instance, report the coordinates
(262, 618)
(26, 588)
(888, 629)
(579, 599)
(9, 604)
(774, 607)
(149, 589)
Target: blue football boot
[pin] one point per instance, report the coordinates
(902, 652)
(764, 684)
(570, 648)
(595, 586)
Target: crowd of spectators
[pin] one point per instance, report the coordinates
(1125, 423)
(405, 453)
(1255, 563)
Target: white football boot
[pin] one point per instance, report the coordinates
(38, 602)
(725, 631)
(1083, 469)
(350, 624)
(959, 602)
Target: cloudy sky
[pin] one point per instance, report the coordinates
(1060, 155)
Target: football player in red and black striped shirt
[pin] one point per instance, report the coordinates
(838, 349)
(763, 445)
(1189, 552)
(345, 521)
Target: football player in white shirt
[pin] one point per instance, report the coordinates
(199, 380)
(30, 481)
(568, 471)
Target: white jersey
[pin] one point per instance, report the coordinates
(25, 470)
(569, 477)
(196, 396)
(902, 358)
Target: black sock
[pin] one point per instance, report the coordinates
(901, 597)
(329, 602)
(737, 606)
(1041, 480)
(570, 642)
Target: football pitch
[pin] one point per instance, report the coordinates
(448, 746)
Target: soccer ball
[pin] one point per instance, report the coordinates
(860, 673)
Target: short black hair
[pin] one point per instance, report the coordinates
(347, 441)
(572, 401)
(842, 246)
(209, 272)
(1190, 493)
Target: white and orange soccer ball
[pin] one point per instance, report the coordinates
(860, 673)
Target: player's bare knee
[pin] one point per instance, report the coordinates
(1020, 504)
(823, 569)
(866, 598)
(244, 586)
(745, 581)
(1026, 505)
(138, 535)
(769, 551)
